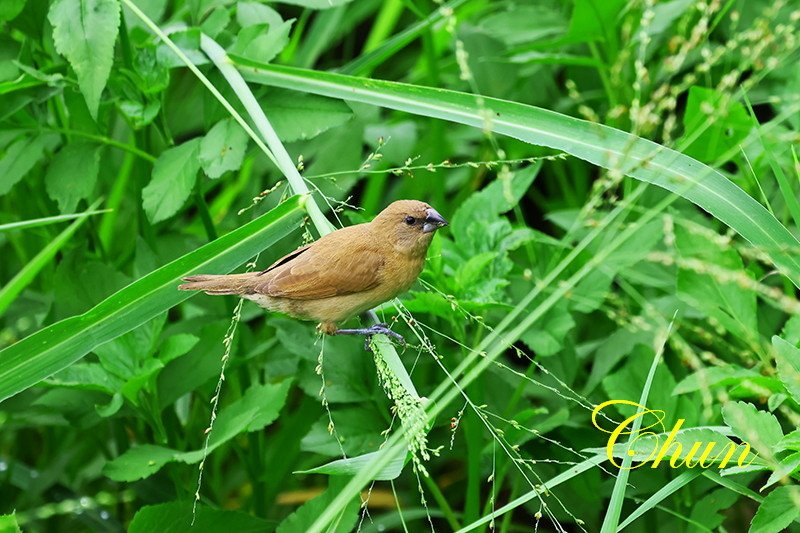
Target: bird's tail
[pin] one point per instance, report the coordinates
(218, 284)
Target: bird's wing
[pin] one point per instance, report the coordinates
(322, 270)
(285, 259)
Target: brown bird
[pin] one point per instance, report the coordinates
(343, 274)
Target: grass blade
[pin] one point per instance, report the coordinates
(614, 510)
(57, 346)
(29, 271)
(36, 222)
(601, 145)
(670, 488)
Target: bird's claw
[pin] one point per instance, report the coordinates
(377, 329)
(381, 329)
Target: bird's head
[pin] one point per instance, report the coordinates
(409, 225)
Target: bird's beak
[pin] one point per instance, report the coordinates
(433, 221)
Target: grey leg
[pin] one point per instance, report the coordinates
(377, 329)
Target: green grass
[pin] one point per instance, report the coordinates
(611, 171)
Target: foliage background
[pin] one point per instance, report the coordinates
(564, 279)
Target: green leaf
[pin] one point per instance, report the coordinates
(786, 467)
(84, 32)
(17, 159)
(777, 511)
(262, 42)
(594, 20)
(500, 196)
(301, 116)
(596, 143)
(790, 442)
(729, 127)
(708, 377)
(359, 429)
(727, 301)
(175, 517)
(222, 149)
(303, 517)
(176, 346)
(174, 176)
(55, 347)
(351, 466)
(72, 174)
(9, 9)
(254, 411)
(758, 428)
(787, 357)
(8, 523)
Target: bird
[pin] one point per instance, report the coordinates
(343, 274)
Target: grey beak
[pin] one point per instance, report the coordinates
(433, 221)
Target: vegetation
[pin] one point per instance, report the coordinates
(621, 180)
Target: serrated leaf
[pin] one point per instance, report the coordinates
(787, 358)
(72, 174)
(8, 523)
(223, 147)
(84, 31)
(18, 159)
(787, 466)
(174, 176)
(777, 511)
(758, 428)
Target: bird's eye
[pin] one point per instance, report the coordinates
(410, 221)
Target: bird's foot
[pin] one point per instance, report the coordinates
(377, 329)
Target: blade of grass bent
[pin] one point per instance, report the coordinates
(611, 520)
(25, 276)
(57, 346)
(599, 144)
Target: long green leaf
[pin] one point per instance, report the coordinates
(601, 145)
(57, 346)
(614, 510)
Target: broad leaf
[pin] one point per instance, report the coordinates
(18, 158)
(777, 511)
(72, 174)
(758, 428)
(84, 32)
(222, 149)
(174, 176)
